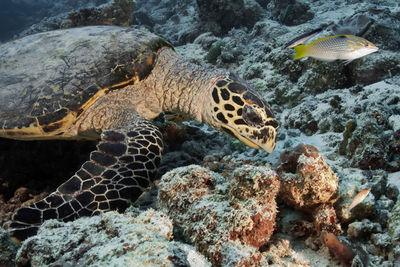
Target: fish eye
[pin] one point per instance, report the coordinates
(250, 116)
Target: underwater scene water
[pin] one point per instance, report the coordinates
(199, 133)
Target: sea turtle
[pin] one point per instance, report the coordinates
(107, 83)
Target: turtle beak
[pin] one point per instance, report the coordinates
(264, 138)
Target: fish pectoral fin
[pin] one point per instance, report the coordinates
(300, 51)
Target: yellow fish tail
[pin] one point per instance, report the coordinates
(301, 51)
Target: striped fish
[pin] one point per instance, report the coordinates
(343, 47)
(359, 198)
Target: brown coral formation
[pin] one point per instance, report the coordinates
(306, 179)
(325, 219)
(310, 185)
(227, 219)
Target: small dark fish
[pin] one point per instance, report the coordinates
(302, 38)
(359, 198)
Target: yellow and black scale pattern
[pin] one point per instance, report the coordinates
(236, 104)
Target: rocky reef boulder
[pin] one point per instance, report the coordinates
(310, 185)
(222, 15)
(306, 179)
(109, 239)
(227, 219)
(8, 249)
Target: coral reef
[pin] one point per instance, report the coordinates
(8, 249)
(227, 219)
(177, 20)
(118, 12)
(325, 219)
(189, 144)
(363, 228)
(306, 179)
(279, 249)
(394, 231)
(291, 12)
(18, 15)
(108, 239)
(349, 112)
(356, 24)
(368, 138)
(111, 12)
(351, 182)
(225, 15)
(214, 52)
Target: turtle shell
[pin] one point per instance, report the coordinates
(48, 79)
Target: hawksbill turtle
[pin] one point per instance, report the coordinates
(107, 83)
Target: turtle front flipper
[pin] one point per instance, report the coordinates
(117, 173)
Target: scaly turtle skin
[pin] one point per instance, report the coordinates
(107, 83)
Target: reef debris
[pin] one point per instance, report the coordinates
(290, 12)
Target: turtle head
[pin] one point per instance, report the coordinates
(236, 109)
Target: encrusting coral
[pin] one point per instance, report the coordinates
(227, 219)
(325, 219)
(306, 179)
(109, 239)
(310, 185)
(8, 249)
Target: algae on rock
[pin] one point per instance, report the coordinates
(108, 239)
(227, 219)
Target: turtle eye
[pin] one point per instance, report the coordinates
(250, 116)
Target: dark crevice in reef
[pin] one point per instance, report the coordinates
(349, 74)
(39, 165)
